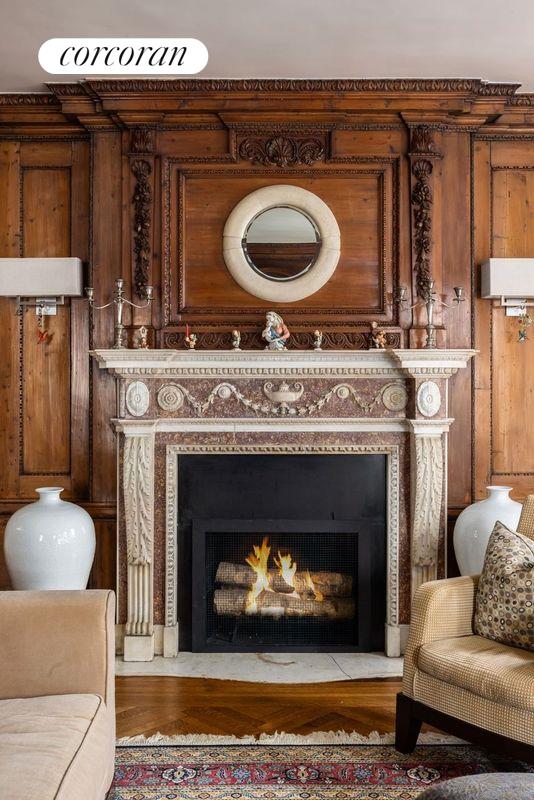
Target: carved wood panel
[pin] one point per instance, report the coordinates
(197, 286)
(503, 451)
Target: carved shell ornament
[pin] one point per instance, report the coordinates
(137, 398)
(428, 399)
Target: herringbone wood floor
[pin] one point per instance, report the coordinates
(196, 705)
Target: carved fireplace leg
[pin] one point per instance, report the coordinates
(138, 496)
(427, 499)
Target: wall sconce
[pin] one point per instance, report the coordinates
(511, 282)
(40, 283)
(429, 299)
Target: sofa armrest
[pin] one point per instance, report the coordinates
(440, 610)
(57, 642)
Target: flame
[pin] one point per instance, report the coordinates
(319, 596)
(258, 560)
(287, 569)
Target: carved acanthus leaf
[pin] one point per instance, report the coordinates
(428, 482)
(282, 151)
(138, 486)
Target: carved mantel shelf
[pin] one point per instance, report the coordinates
(241, 363)
(170, 402)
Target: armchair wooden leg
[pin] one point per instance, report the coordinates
(407, 727)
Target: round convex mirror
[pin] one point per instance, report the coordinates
(281, 243)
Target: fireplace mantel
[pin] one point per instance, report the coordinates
(258, 362)
(171, 402)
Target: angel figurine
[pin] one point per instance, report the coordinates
(276, 332)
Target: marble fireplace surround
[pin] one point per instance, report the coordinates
(170, 402)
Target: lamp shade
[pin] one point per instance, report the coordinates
(40, 277)
(507, 277)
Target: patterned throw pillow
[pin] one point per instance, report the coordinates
(505, 597)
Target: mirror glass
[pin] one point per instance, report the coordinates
(281, 243)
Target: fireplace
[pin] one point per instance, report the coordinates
(261, 576)
(173, 406)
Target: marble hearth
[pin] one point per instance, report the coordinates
(391, 402)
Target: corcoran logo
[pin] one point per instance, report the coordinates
(123, 56)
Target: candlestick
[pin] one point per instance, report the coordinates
(119, 301)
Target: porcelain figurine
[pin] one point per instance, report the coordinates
(276, 332)
(49, 544)
(317, 340)
(142, 338)
(190, 338)
(236, 340)
(378, 337)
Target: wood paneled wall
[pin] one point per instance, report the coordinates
(138, 177)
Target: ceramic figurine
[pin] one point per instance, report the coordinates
(190, 338)
(317, 340)
(236, 340)
(142, 338)
(378, 337)
(276, 332)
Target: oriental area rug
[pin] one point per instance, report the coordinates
(265, 771)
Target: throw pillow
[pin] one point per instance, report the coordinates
(505, 596)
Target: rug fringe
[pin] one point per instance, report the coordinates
(321, 738)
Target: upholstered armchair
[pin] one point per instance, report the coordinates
(462, 683)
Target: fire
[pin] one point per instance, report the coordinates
(319, 596)
(258, 560)
(287, 569)
(301, 583)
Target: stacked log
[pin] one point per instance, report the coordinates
(329, 584)
(333, 588)
(232, 602)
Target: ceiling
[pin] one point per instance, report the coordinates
(291, 38)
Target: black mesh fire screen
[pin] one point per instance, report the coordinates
(282, 585)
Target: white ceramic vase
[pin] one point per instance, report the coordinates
(49, 544)
(474, 526)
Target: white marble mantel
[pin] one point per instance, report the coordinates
(243, 362)
(257, 393)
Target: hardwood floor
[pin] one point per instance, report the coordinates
(197, 705)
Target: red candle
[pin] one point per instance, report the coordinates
(187, 329)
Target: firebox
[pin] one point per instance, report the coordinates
(263, 575)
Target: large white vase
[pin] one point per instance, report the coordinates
(474, 526)
(49, 544)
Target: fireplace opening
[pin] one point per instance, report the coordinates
(285, 552)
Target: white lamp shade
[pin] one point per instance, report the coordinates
(40, 277)
(507, 277)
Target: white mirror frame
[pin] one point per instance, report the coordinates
(261, 200)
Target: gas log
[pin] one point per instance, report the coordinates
(330, 584)
(232, 602)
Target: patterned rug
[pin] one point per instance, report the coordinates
(292, 772)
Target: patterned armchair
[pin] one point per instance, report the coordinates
(462, 683)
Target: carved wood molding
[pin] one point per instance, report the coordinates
(282, 151)
(422, 153)
(448, 85)
(142, 140)
(300, 340)
(142, 223)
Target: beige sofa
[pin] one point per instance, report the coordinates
(57, 706)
